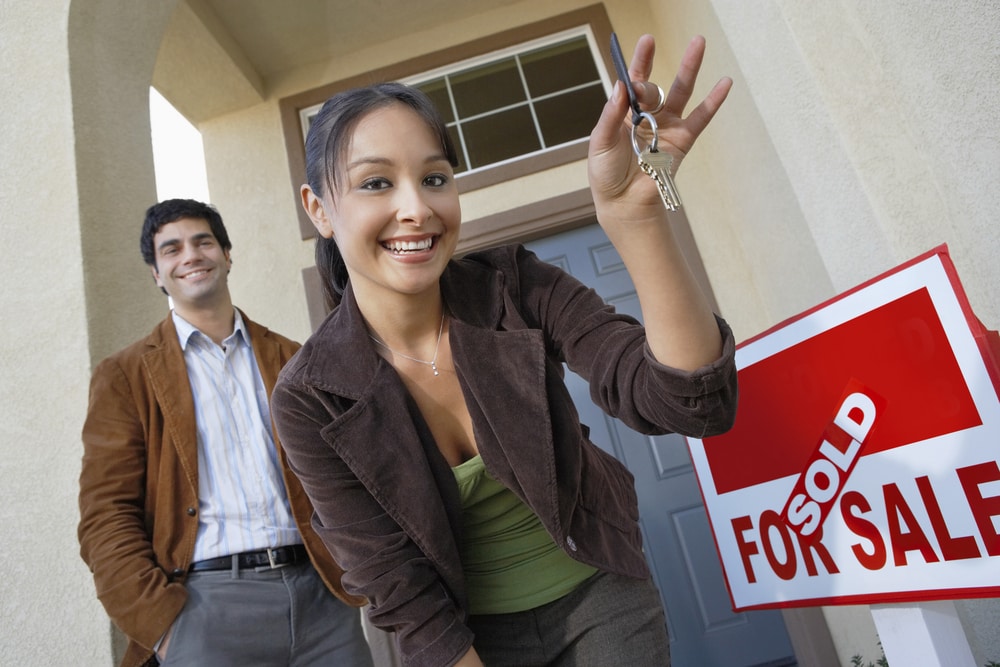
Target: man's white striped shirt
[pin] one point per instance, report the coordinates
(242, 503)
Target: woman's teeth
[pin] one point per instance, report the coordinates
(408, 246)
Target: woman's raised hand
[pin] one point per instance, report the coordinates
(613, 168)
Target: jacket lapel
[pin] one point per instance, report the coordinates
(167, 372)
(508, 402)
(383, 437)
(268, 354)
(509, 408)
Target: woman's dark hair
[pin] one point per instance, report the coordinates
(328, 141)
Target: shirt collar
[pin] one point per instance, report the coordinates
(185, 330)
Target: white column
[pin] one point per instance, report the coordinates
(925, 634)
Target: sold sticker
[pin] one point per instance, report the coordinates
(827, 471)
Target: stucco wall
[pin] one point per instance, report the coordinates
(45, 365)
(69, 180)
(250, 185)
(882, 120)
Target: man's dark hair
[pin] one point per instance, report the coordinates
(172, 210)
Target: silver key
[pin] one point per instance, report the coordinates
(656, 165)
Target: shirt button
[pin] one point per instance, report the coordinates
(191, 511)
(571, 544)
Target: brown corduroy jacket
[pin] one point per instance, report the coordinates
(386, 501)
(139, 483)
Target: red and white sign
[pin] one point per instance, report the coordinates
(864, 465)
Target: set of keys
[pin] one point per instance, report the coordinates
(654, 163)
(657, 164)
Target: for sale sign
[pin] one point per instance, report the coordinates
(864, 464)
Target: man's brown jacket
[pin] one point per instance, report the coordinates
(139, 483)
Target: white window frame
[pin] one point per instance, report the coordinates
(306, 114)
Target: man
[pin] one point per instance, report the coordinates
(197, 533)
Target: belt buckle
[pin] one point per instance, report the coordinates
(270, 559)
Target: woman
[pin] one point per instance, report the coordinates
(427, 417)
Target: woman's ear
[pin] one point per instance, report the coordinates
(313, 205)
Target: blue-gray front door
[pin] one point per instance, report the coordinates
(704, 631)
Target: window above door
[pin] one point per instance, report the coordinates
(516, 102)
(512, 103)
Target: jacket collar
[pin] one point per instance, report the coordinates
(342, 358)
(167, 373)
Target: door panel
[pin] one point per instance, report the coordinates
(704, 631)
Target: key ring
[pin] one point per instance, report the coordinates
(657, 165)
(652, 122)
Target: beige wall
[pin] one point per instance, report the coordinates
(71, 291)
(880, 119)
(857, 135)
(41, 367)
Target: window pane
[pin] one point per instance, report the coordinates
(500, 136)
(541, 97)
(437, 90)
(559, 67)
(486, 88)
(571, 115)
(457, 143)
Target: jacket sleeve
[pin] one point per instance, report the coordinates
(609, 350)
(114, 541)
(380, 559)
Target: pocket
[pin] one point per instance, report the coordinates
(173, 632)
(607, 488)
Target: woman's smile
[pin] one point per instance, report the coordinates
(404, 247)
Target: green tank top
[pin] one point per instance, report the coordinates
(511, 563)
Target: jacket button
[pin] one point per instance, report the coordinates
(571, 544)
(191, 511)
(178, 572)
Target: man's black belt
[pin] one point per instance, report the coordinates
(253, 560)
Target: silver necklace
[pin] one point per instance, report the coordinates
(432, 363)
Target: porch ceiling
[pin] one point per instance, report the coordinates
(217, 56)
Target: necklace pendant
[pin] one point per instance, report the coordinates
(432, 363)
